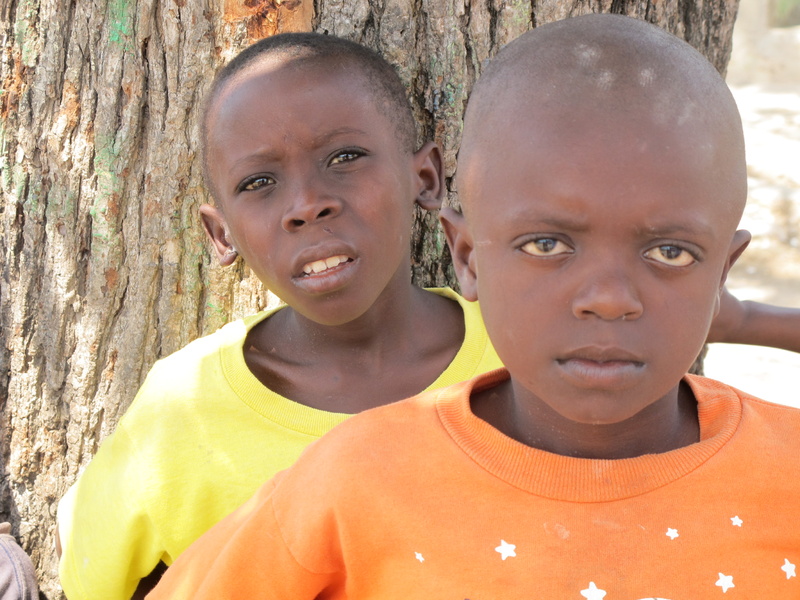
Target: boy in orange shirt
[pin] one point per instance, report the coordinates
(602, 176)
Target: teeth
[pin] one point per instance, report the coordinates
(318, 266)
(334, 260)
(315, 267)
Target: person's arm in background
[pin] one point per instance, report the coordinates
(17, 575)
(755, 323)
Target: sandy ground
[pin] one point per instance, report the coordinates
(769, 271)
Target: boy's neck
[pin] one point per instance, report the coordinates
(395, 350)
(392, 320)
(669, 423)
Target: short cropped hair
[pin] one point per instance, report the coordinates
(384, 82)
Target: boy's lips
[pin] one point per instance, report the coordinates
(321, 270)
(596, 367)
(322, 265)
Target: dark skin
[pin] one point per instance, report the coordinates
(598, 241)
(673, 419)
(755, 323)
(405, 358)
(327, 177)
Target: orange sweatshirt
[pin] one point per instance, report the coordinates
(421, 499)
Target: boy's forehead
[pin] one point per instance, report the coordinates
(267, 81)
(275, 65)
(604, 80)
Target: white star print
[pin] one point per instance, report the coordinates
(672, 533)
(789, 569)
(505, 549)
(593, 593)
(736, 521)
(419, 557)
(725, 582)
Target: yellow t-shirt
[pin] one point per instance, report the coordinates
(200, 437)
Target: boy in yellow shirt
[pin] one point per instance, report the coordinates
(310, 153)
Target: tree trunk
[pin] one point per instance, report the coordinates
(104, 264)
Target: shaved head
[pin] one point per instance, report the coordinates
(602, 177)
(576, 76)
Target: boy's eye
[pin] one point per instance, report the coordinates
(675, 256)
(345, 156)
(546, 247)
(255, 183)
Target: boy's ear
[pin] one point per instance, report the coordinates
(429, 167)
(217, 231)
(740, 241)
(462, 249)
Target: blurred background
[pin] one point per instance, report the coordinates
(764, 74)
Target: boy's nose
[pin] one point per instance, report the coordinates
(309, 205)
(608, 294)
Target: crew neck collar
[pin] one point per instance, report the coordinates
(571, 479)
(312, 421)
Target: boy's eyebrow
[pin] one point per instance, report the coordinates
(270, 154)
(696, 227)
(576, 223)
(573, 223)
(579, 223)
(257, 157)
(330, 135)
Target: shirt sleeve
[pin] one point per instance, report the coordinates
(244, 556)
(108, 541)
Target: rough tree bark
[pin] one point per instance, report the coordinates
(104, 266)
